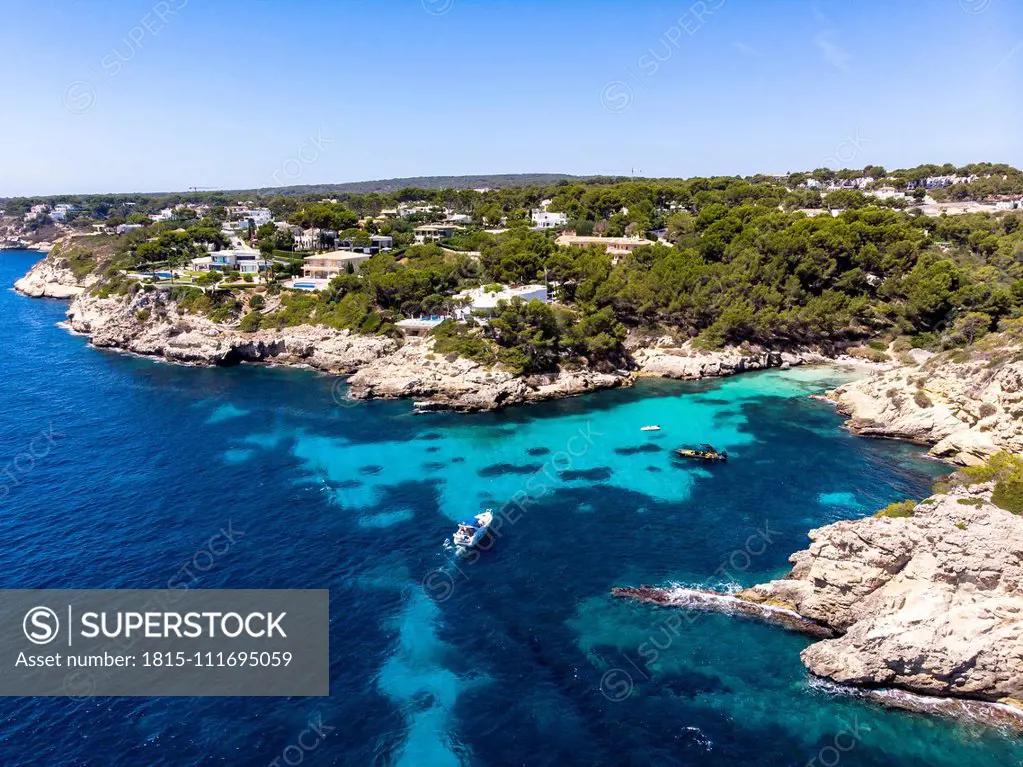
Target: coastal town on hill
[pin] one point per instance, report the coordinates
(216, 241)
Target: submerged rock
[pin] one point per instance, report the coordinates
(720, 602)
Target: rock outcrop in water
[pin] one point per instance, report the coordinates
(967, 404)
(52, 278)
(930, 603)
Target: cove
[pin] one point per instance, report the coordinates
(520, 657)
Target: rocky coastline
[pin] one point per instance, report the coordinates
(923, 612)
(665, 358)
(146, 324)
(52, 278)
(150, 324)
(966, 404)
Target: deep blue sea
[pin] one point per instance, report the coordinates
(519, 658)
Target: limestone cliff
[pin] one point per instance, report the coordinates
(930, 603)
(451, 382)
(52, 277)
(149, 323)
(666, 358)
(968, 403)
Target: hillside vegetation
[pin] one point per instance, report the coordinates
(736, 262)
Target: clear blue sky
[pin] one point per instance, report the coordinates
(109, 96)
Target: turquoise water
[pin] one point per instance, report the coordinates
(518, 658)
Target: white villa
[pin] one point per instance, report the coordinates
(378, 243)
(327, 266)
(545, 219)
(59, 212)
(433, 232)
(259, 217)
(482, 301)
(36, 211)
(223, 260)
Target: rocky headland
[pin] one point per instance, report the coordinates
(966, 403)
(922, 610)
(150, 324)
(53, 278)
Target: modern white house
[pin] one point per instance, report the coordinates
(433, 232)
(545, 219)
(60, 211)
(327, 266)
(224, 260)
(419, 326)
(125, 228)
(482, 301)
(406, 210)
(379, 243)
(259, 217)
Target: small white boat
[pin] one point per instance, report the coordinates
(651, 428)
(471, 532)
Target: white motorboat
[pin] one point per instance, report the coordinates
(651, 428)
(471, 532)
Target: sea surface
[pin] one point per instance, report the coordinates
(518, 658)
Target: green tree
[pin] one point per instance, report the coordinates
(528, 334)
(970, 326)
